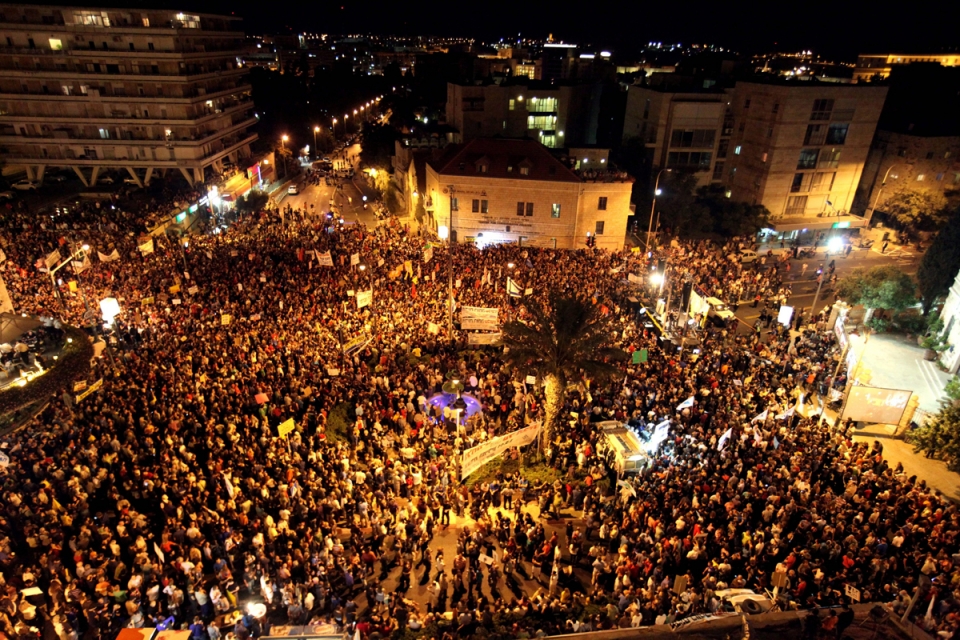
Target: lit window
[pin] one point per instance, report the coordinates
(555, 210)
(920, 177)
(56, 44)
(524, 171)
(736, 150)
(146, 23)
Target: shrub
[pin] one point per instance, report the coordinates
(879, 325)
(338, 423)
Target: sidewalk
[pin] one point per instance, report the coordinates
(891, 361)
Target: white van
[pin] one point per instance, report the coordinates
(718, 313)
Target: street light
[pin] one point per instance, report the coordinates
(334, 127)
(653, 205)
(876, 200)
(316, 130)
(283, 145)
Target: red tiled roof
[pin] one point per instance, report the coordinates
(503, 158)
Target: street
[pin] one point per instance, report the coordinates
(805, 284)
(347, 200)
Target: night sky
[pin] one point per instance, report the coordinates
(838, 28)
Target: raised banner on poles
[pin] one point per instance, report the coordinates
(480, 318)
(325, 259)
(53, 259)
(483, 453)
(364, 298)
(483, 338)
(147, 247)
(96, 385)
(109, 257)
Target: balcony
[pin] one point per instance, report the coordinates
(86, 76)
(129, 136)
(189, 97)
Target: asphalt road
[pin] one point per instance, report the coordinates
(344, 197)
(805, 284)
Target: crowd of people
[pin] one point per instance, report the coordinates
(169, 497)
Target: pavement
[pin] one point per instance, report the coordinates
(347, 199)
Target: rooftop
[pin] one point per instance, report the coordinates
(514, 158)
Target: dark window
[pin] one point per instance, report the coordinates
(454, 204)
(829, 159)
(519, 208)
(150, 46)
(902, 151)
(746, 103)
(602, 203)
(529, 209)
(599, 230)
(483, 207)
(476, 206)
(808, 159)
(821, 109)
(837, 134)
(776, 107)
(31, 44)
(131, 46)
(816, 133)
(929, 155)
(718, 171)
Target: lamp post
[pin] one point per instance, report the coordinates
(444, 234)
(876, 200)
(653, 205)
(333, 128)
(316, 130)
(283, 158)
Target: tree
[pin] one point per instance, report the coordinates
(885, 287)
(730, 217)
(561, 341)
(917, 210)
(940, 263)
(679, 207)
(252, 202)
(940, 437)
(378, 145)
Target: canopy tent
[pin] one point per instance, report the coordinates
(12, 326)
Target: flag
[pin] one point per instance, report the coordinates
(723, 439)
(52, 259)
(761, 417)
(513, 289)
(786, 414)
(230, 490)
(159, 552)
(147, 247)
(776, 443)
(757, 436)
(686, 404)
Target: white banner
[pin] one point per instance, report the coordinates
(4, 459)
(483, 338)
(325, 259)
(634, 278)
(111, 257)
(480, 318)
(483, 453)
(147, 247)
(354, 259)
(6, 304)
(428, 254)
(364, 298)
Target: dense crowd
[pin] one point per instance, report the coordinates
(168, 493)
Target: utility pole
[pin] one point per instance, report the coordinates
(653, 205)
(453, 208)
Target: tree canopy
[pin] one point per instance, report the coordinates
(917, 210)
(940, 263)
(940, 437)
(686, 209)
(560, 339)
(884, 287)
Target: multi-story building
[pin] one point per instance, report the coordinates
(556, 115)
(140, 90)
(917, 145)
(494, 190)
(799, 148)
(680, 128)
(879, 65)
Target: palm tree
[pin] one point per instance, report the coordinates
(560, 342)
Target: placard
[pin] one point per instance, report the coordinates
(286, 427)
(354, 259)
(364, 298)
(852, 592)
(325, 259)
(483, 338)
(225, 319)
(480, 318)
(477, 456)
(428, 254)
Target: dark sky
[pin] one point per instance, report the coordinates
(835, 27)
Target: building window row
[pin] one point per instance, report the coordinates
(819, 181)
(696, 160)
(696, 138)
(480, 206)
(525, 209)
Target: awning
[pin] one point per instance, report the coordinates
(819, 224)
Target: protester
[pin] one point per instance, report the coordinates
(168, 493)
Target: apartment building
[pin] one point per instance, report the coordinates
(799, 149)
(556, 115)
(145, 91)
(494, 190)
(685, 129)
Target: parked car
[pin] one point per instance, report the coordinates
(718, 312)
(129, 180)
(106, 179)
(24, 185)
(293, 190)
(747, 256)
(55, 177)
(6, 195)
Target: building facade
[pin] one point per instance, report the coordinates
(683, 130)
(145, 91)
(913, 163)
(950, 314)
(556, 115)
(799, 149)
(492, 191)
(879, 65)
